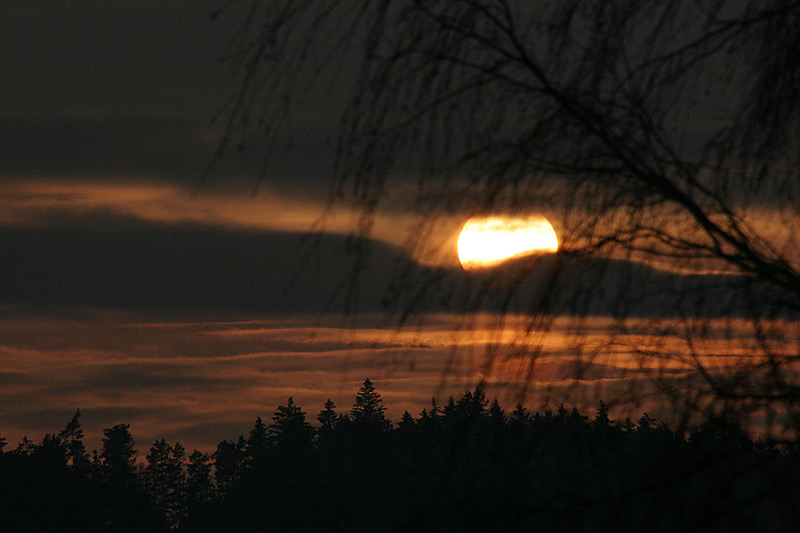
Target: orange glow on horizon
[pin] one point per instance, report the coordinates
(486, 242)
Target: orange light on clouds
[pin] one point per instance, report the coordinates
(199, 380)
(33, 202)
(486, 242)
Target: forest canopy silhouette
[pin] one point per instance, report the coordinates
(467, 464)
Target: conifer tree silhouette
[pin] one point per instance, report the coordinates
(126, 506)
(551, 471)
(257, 445)
(519, 417)
(230, 459)
(72, 435)
(327, 418)
(407, 424)
(496, 413)
(25, 446)
(118, 455)
(200, 491)
(472, 405)
(165, 480)
(368, 410)
(289, 431)
(51, 453)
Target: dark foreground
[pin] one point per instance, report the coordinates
(467, 466)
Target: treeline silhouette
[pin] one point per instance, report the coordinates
(466, 466)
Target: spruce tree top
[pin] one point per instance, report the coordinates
(368, 409)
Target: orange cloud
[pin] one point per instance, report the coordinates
(200, 381)
(34, 202)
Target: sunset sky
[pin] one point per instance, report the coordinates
(139, 287)
(136, 289)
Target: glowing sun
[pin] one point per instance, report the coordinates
(486, 242)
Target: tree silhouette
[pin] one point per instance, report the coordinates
(258, 445)
(118, 455)
(553, 470)
(519, 417)
(289, 431)
(40, 491)
(472, 405)
(601, 418)
(229, 462)
(430, 420)
(165, 480)
(25, 446)
(200, 490)
(327, 418)
(72, 435)
(368, 411)
(125, 506)
(407, 424)
(659, 137)
(496, 413)
(51, 453)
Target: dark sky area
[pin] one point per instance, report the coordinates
(113, 90)
(106, 132)
(108, 89)
(102, 97)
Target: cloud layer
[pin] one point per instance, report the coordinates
(202, 379)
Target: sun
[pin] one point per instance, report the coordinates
(488, 241)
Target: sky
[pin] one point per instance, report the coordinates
(127, 270)
(140, 287)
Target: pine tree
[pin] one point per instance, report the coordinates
(368, 409)
(25, 446)
(3, 443)
(472, 405)
(51, 453)
(118, 455)
(327, 418)
(575, 417)
(72, 435)
(229, 462)
(257, 445)
(646, 424)
(496, 413)
(449, 410)
(125, 505)
(519, 416)
(601, 419)
(289, 430)
(435, 414)
(199, 490)
(431, 420)
(165, 480)
(407, 424)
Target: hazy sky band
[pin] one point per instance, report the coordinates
(204, 379)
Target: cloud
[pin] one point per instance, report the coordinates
(200, 380)
(155, 266)
(155, 246)
(120, 204)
